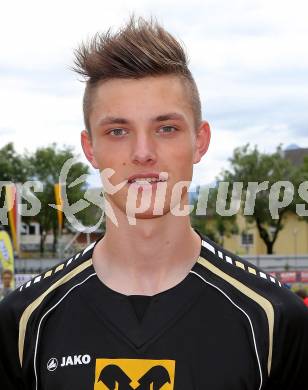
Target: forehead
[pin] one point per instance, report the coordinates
(142, 98)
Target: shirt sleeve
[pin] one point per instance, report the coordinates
(10, 370)
(290, 348)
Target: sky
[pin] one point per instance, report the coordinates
(249, 59)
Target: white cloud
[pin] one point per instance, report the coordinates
(249, 59)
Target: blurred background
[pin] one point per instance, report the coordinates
(250, 62)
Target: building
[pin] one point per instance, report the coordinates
(291, 240)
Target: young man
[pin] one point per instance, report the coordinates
(152, 304)
(7, 277)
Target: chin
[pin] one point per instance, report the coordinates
(150, 215)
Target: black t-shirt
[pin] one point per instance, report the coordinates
(226, 326)
(140, 304)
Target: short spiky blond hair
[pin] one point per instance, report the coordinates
(139, 49)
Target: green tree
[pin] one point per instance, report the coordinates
(14, 167)
(250, 165)
(46, 164)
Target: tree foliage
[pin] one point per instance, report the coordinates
(44, 165)
(250, 165)
(14, 167)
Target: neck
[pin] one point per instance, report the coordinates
(146, 258)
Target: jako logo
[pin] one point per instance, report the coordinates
(75, 360)
(52, 364)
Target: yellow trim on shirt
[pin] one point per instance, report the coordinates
(34, 305)
(259, 299)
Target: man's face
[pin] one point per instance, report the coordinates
(6, 280)
(140, 128)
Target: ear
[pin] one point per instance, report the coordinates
(86, 143)
(203, 138)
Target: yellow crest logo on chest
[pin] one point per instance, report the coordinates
(134, 374)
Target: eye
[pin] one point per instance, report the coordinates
(167, 129)
(117, 132)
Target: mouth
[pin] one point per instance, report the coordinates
(145, 181)
(148, 179)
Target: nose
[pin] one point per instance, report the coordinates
(144, 150)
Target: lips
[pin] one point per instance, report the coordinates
(148, 178)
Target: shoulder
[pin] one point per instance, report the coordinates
(23, 309)
(241, 273)
(62, 276)
(247, 278)
(44, 289)
(285, 317)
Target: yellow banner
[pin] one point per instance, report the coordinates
(59, 203)
(10, 190)
(6, 253)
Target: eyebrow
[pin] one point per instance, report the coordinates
(165, 117)
(108, 120)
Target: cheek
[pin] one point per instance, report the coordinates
(182, 155)
(181, 165)
(110, 154)
(104, 158)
